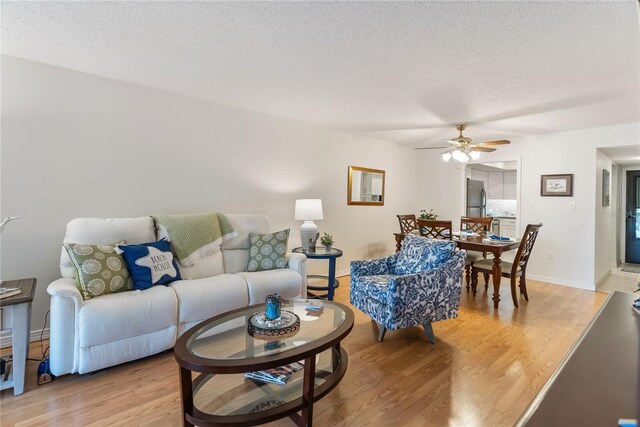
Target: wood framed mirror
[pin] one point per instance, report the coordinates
(365, 187)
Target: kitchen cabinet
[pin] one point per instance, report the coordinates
(478, 175)
(509, 189)
(495, 185)
(508, 227)
(498, 185)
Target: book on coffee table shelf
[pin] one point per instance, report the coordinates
(279, 375)
(8, 292)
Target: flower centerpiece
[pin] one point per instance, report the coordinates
(428, 215)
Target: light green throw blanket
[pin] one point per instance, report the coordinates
(194, 236)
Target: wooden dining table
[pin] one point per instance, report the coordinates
(478, 243)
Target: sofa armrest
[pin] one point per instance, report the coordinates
(298, 262)
(373, 267)
(66, 302)
(65, 288)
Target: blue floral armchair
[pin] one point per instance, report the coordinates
(416, 286)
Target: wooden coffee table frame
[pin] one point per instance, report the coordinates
(191, 363)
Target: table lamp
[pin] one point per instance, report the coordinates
(308, 210)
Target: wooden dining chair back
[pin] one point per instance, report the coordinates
(525, 248)
(480, 225)
(518, 268)
(407, 223)
(476, 224)
(435, 229)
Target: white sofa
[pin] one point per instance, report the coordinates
(100, 332)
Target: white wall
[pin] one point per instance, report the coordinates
(76, 145)
(605, 225)
(570, 234)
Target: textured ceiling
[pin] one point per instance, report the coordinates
(404, 72)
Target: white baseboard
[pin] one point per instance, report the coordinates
(5, 337)
(603, 279)
(562, 282)
(618, 272)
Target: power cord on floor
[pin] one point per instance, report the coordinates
(42, 349)
(44, 372)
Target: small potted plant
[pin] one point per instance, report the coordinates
(428, 215)
(327, 240)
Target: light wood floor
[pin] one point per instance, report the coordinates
(484, 371)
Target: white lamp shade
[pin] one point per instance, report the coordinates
(474, 155)
(308, 210)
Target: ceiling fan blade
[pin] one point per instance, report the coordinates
(497, 142)
(482, 149)
(431, 148)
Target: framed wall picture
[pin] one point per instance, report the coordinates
(556, 185)
(606, 187)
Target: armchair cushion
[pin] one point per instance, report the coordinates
(420, 254)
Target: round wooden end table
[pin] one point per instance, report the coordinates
(222, 345)
(332, 283)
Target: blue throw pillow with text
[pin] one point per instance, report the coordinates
(150, 264)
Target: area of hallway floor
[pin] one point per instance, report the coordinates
(620, 281)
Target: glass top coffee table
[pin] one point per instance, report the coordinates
(222, 345)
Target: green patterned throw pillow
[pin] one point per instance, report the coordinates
(268, 251)
(99, 269)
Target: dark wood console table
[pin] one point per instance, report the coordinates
(597, 382)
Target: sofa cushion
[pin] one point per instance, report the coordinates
(421, 254)
(126, 314)
(285, 282)
(104, 231)
(268, 251)
(100, 270)
(245, 224)
(208, 266)
(201, 299)
(150, 264)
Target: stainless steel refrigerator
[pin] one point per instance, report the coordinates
(476, 199)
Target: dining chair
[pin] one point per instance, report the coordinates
(480, 225)
(435, 229)
(476, 224)
(407, 223)
(517, 269)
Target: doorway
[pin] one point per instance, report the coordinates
(492, 189)
(632, 218)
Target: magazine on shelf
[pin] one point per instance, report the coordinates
(279, 375)
(8, 292)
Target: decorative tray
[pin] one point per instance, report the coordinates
(260, 327)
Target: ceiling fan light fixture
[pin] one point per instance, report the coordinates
(446, 156)
(460, 156)
(474, 155)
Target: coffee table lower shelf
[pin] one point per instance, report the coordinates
(310, 393)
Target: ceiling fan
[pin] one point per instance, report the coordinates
(462, 148)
